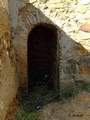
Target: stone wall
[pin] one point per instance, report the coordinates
(73, 54)
(7, 63)
(74, 44)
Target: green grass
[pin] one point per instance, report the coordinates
(86, 87)
(26, 109)
(28, 106)
(73, 90)
(23, 115)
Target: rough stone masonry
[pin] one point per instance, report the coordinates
(17, 19)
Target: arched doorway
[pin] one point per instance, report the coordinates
(42, 52)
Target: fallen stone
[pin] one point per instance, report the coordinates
(85, 27)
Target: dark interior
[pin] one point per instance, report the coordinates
(42, 47)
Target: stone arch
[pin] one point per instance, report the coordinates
(29, 17)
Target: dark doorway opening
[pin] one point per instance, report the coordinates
(42, 52)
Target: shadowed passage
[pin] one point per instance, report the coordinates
(42, 50)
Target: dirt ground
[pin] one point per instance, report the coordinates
(77, 108)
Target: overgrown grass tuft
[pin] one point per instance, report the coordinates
(23, 115)
(26, 109)
(86, 87)
(28, 106)
(71, 91)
